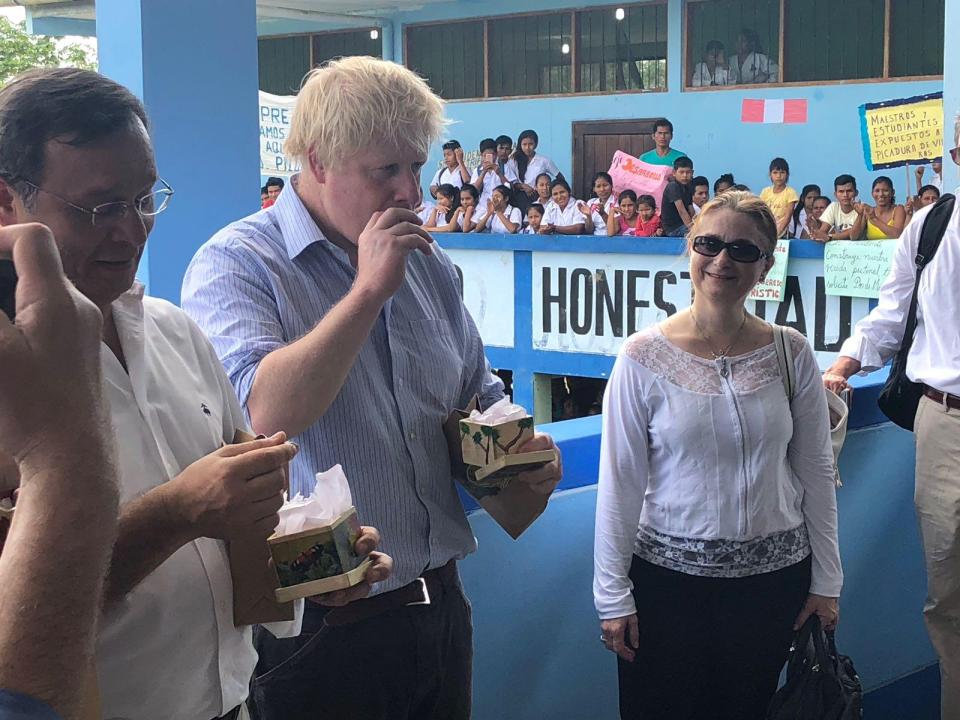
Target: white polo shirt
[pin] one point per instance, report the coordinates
(446, 176)
(169, 650)
(570, 215)
(495, 225)
(538, 165)
(490, 182)
(599, 224)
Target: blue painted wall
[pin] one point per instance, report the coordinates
(535, 630)
(202, 107)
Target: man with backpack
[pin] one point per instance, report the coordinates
(920, 327)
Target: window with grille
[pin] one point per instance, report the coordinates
(916, 38)
(733, 42)
(285, 60)
(449, 56)
(530, 55)
(743, 42)
(829, 40)
(327, 46)
(622, 48)
(619, 48)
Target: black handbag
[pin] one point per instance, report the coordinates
(821, 684)
(900, 396)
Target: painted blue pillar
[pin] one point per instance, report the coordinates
(951, 87)
(194, 65)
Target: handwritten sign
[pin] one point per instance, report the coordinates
(773, 286)
(857, 268)
(275, 114)
(902, 132)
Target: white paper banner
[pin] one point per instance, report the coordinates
(275, 114)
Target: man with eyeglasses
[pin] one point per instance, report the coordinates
(75, 155)
(934, 361)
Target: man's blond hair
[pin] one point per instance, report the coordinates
(355, 102)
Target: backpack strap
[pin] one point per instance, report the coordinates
(788, 370)
(934, 227)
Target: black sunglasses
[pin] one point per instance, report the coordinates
(742, 251)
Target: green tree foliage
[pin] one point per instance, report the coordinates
(20, 51)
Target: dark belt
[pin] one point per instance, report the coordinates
(232, 715)
(426, 589)
(951, 401)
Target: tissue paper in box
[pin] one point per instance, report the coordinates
(319, 560)
(501, 430)
(313, 546)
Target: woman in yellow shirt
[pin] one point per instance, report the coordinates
(779, 197)
(887, 219)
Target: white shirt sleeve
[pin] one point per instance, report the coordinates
(551, 167)
(733, 71)
(511, 171)
(878, 336)
(436, 178)
(515, 215)
(624, 472)
(810, 454)
(831, 215)
(551, 216)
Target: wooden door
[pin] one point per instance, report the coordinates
(595, 142)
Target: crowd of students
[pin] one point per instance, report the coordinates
(522, 191)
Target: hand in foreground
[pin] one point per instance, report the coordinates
(621, 636)
(234, 491)
(542, 480)
(827, 608)
(50, 384)
(382, 250)
(379, 571)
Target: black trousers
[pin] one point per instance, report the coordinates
(410, 663)
(710, 648)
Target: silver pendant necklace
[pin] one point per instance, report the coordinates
(725, 351)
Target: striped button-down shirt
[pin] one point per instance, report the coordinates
(267, 280)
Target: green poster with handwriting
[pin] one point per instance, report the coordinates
(857, 268)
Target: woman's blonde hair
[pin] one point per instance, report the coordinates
(741, 202)
(355, 102)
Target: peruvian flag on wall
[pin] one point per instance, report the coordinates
(774, 111)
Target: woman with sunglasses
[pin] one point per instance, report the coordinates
(716, 528)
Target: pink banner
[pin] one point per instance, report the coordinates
(643, 178)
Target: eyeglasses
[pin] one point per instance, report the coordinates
(741, 251)
(113, 213)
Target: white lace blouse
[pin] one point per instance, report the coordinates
(711, 450)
